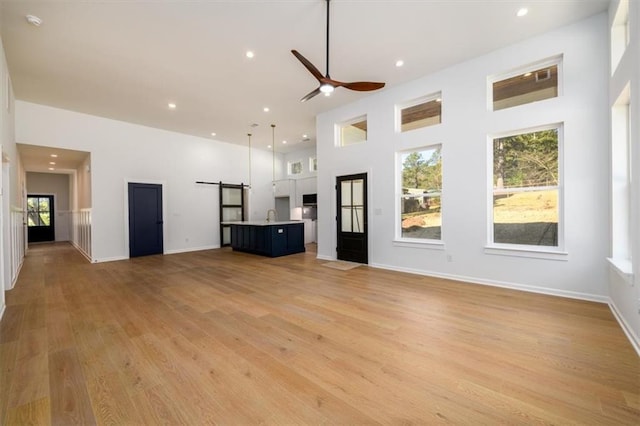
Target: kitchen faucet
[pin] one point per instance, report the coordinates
(275, 215)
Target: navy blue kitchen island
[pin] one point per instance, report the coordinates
(271, 239)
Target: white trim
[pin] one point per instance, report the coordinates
(624, 267)
(79, 249)
(419, 244)
(323, 257)
(501, 284)
(626, 328)
(414, 102)
(190, 249)
(526, 251)
(111, 259)
(339, 126)
(4, 307)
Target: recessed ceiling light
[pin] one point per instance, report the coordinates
(53, 163)
(269, 146)
(523, 11)
(439, 100)
(265, 109)
(54, 155)
(213, 133)
(249, 54)
(34, 20)
(284, 142)
(171, 105)
(305, 136)
(399, 63)
(51, 168)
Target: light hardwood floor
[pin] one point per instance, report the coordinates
(230, 338)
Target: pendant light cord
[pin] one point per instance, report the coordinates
(273, 151)
(249, 134)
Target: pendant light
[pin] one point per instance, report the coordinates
(249, 135)
(273, 155)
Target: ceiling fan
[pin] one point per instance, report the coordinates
(327, 84)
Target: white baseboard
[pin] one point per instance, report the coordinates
(15, 279)
(190, 249)
(2, 311)
(323, 257)
(82, 252)
(633, 338)
(110, 259)
(502, 284)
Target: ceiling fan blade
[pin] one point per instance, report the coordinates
(310, 95)
(362, 86)
(308, 65)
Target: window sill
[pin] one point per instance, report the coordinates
(528, 252)
(624, 267)
(427, 244)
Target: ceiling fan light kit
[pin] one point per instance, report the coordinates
(327, 84)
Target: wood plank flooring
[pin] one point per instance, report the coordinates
(217, 337)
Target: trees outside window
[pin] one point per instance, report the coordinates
(420, 202)
(526, 204)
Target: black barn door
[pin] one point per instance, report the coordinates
(352, 218)
(40, 218)
(145, 219)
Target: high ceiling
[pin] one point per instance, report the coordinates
(127, 60)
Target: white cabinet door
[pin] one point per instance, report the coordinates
(283, 188)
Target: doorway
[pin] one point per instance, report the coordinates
(145, 219)
(40, 218)
(352, 238)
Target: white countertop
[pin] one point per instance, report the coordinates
(263, 222)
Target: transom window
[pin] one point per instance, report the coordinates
(353, 131)
(525, 186)
(295, 167)
(420, 199)
(420, 113)
(530, 85)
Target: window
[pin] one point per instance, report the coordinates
(38, 211)
(536, 83)
(619, 34)
(295, 168)
(420, 206)
(621, 177)
(420, 113)
(313, 164)
(526, 198)
(353, 131)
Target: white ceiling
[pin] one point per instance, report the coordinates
(127, 60)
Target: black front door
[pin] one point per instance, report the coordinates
(40, 218)
(352, 218)
(145, 219)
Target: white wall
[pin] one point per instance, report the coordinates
(305, 182)
(12, 184)
(123, 152)
(466, 124)
(57, 185)
(624, 288)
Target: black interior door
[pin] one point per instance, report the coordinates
(145, 219)
(352, 218)
(40, 218)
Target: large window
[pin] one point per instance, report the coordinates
(353, 131)
(526, 182)
(621, 177)
(420, 204)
